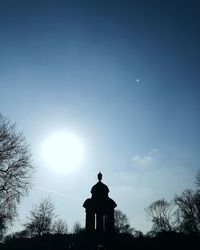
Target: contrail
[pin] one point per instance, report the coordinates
(58, 193)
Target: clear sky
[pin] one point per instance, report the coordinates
(124, 77)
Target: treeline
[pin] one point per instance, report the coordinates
(42, 220)
(182, 214)
(115, 241)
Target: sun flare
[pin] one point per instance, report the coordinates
(63, 151)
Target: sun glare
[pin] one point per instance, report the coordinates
(63, 151)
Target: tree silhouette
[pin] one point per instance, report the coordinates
(162, 214)
(15, 170)
(121, 222)
(41, 218)
(2, 227)
(59, 227)
(77, 228)
(198, 179)
(188, 211)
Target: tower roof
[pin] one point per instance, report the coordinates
(100, 201)
(100, 189)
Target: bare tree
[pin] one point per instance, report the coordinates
(121, 223)
(77, 228)
(41, 218)
(19, 234)
(162, 214)
(188, 211)
(59, 227)
(15, 169)
(198, 180)
(138, 233)
(3, 227)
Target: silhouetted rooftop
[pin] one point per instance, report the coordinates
(100, 189)
(100, 199)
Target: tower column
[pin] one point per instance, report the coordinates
(110, 221)
(90, 220)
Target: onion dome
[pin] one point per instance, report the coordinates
(99, 189)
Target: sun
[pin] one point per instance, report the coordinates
(63, 151)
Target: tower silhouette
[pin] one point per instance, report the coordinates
(99, 209)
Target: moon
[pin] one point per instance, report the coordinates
(138, 80)
(63, 151)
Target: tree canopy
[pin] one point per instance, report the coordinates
(121, 222)
(15, 169)
(41, 218)
(162, 214)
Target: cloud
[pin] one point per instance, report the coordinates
(145, 160)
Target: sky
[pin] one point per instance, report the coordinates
(123, 76)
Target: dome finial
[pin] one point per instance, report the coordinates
(99, 176)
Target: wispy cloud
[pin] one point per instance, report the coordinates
(146, 159)
(57, 193)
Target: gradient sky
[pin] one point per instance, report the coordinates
(124, 77)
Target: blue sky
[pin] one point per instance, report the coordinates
(121, 75)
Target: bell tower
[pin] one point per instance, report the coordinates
(99, 209)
